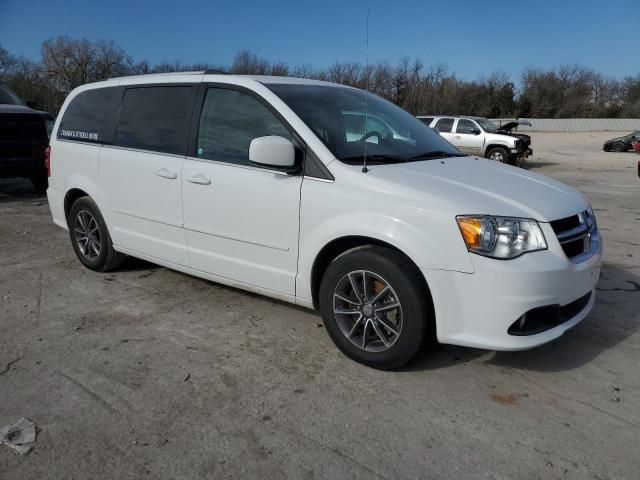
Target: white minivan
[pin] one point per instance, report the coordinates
(269, 185)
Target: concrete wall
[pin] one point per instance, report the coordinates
(576, 124)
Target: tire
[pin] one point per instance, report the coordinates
(499, 154)
(96, 252)
(40, 184)
(619, 147)
(391, 279)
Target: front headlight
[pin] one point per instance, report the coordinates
(501, 237)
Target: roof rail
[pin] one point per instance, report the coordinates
(214, 71)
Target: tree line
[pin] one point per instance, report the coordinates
(569, 91)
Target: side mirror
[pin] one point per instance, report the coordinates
(475, 131)
(273, 151)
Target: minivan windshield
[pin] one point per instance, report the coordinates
(7, 97)
(487, 125)
(345, 118)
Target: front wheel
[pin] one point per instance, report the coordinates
(374, 305)
(498, 154)
(619, 147)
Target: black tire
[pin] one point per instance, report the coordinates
(40, 183)
(499, 154)
(104, 258)
(409, 291)
(619, 147)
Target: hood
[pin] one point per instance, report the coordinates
(507, 127)
(473, 185)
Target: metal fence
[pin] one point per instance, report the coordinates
(575, 124)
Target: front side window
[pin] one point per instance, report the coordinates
(487, 125)
(89, 116)
(155, 118)
(444, 125)
(229, 121)
(466, 127)
(336, 115)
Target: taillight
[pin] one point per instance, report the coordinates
(47, 160)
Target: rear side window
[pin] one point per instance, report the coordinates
(90, 115)
(229, 121)
(444, 124)
(155, 118)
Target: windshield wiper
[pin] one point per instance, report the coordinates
(435, 154)
(378, 158)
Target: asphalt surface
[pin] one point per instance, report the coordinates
(149, 373)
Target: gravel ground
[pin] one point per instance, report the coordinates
(149, 373)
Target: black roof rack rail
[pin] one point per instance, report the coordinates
(214, 71)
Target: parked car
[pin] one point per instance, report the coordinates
(24, 135)
(479, 136)
(621, 144)
(256, 182)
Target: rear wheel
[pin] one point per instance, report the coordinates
(90, 238)
(374, 306)
(498, 154)
(619, 147)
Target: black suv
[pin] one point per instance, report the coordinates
(24, 136)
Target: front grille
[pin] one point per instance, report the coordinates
(575, 233)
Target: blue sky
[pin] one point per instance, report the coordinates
(471, 37)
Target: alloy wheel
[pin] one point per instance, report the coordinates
(367, 310)
(87, 235)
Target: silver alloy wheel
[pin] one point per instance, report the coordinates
(367, 311)
(87, 235)
(497, 156)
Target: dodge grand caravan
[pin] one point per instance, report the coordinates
(263, 183)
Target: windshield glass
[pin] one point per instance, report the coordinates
(337, 116)
(486, 125)
(8, 97)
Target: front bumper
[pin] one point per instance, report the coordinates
(477, 310)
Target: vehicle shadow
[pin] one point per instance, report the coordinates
(615, 317)
(532, 165)
(18, 189)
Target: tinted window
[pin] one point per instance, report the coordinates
(89, 116)
(155, 118)
(444, 124)
(229, 121)
(465, 126)
(426, 120)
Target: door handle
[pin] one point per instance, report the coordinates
(164, 173)
(458, 137)
(199, 179)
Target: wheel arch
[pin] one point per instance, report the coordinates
(341, 245)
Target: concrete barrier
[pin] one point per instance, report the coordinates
(575, 124)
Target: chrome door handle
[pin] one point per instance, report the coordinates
(199, 179)
(164, 173)
(458, 137)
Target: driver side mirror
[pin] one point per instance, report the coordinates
(273, 151)
(475, 131)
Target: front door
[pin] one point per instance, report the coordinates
(444, 126)
(241, 220)
(468, 137)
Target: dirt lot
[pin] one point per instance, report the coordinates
(149, 373)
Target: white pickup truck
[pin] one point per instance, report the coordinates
(479, 136)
